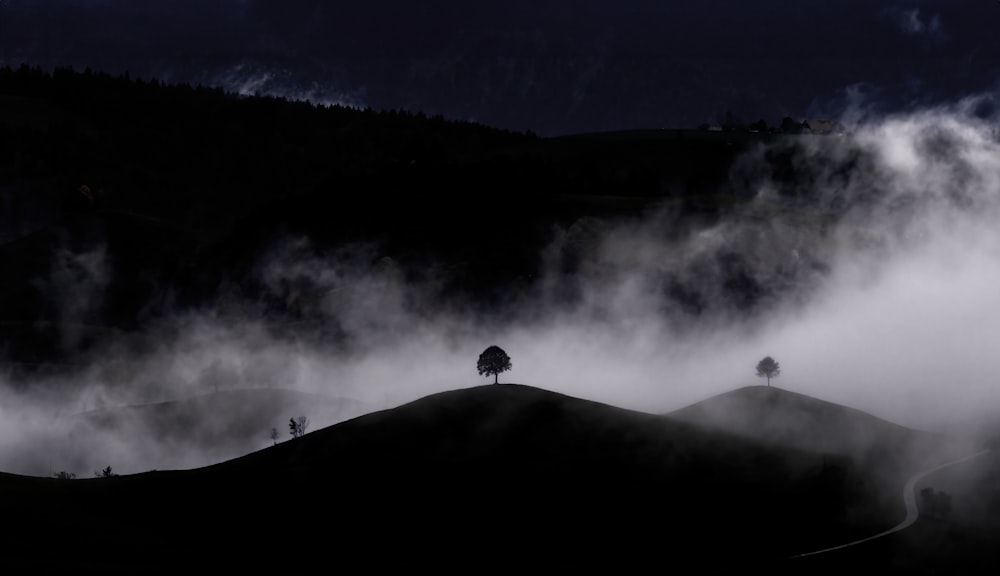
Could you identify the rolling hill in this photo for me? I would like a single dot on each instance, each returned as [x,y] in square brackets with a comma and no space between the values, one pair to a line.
[217,426]
[192,191]
[493,476]
[961,539]
[186,433]
[782,417]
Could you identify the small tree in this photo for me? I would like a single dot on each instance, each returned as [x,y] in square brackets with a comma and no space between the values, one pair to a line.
[297,426]
[274,436]
[493,361]
[63,475]
[768,368]
[106,473]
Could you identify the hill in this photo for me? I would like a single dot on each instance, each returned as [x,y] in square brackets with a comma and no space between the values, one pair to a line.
[193,432]
[128,202]
[959,538]
[787,418]
[501,475]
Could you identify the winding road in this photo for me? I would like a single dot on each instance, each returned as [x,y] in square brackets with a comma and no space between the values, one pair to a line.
[909,499]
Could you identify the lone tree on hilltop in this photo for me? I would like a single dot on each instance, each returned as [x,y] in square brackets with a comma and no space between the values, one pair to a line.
[493,361]
[768,368]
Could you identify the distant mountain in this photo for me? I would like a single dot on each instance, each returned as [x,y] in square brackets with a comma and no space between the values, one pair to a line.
[485,477]
[128,202]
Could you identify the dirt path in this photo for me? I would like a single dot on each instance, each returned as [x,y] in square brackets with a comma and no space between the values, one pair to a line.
[909,500]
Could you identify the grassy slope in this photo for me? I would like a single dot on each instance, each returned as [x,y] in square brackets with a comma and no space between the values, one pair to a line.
[965,541]
[205,429]
[783,417]
[186,433]
[493,475]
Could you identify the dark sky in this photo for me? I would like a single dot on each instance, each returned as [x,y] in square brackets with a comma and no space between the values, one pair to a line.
[552,66]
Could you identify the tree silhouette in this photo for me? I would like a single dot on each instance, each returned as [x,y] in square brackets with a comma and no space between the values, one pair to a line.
[105,473]
[768,368]
[759,126]
[274,435]
[493,361]
[297,426]
[790,126]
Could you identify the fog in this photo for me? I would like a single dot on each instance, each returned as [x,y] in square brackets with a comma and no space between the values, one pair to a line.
[873,270]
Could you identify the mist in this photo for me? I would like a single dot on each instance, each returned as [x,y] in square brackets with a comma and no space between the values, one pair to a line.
[865,263]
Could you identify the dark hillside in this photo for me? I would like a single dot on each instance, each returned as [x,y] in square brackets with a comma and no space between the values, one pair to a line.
[941,541]
[185,433]
[788,418]
[492,476]
[135,200]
